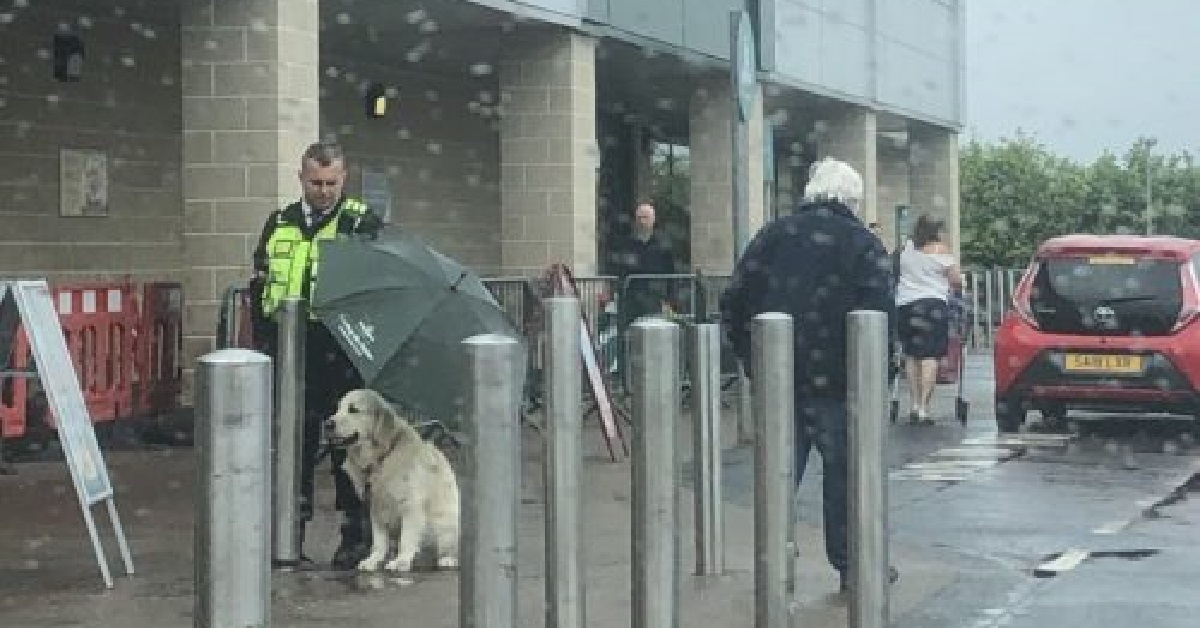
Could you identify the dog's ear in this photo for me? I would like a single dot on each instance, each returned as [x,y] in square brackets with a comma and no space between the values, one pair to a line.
[384,425]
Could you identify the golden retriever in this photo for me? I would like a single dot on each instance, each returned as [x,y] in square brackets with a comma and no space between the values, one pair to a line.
[407,482]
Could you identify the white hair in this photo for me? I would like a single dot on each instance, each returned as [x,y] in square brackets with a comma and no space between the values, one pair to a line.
[833,180]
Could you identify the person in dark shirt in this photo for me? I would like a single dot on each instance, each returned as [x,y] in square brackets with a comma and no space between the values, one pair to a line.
[643,252]
[817,265]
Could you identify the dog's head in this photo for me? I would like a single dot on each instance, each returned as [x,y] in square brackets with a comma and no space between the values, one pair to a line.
[362,415]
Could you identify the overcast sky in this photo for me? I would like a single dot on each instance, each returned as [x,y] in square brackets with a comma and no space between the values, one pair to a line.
[1084,76]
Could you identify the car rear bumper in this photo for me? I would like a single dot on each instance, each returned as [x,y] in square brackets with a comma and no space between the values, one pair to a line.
[1158,387]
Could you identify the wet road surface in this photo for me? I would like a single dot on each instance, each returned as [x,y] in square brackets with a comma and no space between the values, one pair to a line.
[1110,494]
[1091,528]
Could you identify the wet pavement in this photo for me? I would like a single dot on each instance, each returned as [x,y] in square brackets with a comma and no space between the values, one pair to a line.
[48,576]
[972,518]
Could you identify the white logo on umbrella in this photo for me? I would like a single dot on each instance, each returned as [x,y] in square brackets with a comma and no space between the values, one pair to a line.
[356,342]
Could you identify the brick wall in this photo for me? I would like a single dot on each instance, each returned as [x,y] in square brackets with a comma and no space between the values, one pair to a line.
[126,105]
[438,145]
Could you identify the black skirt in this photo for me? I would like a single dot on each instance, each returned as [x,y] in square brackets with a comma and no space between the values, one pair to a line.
[924,328]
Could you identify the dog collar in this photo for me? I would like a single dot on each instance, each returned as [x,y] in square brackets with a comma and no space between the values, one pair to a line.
[369,470]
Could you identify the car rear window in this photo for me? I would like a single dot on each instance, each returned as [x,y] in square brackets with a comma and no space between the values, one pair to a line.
[1107,295]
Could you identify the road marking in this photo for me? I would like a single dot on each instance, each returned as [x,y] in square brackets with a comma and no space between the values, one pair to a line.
[1022,440]
[928,476]
[1112,527]
[994,453]
[953,464]
[972,455]
[1069,560]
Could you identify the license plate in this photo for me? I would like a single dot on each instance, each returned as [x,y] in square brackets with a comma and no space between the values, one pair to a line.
[1092,363]
[1111,259]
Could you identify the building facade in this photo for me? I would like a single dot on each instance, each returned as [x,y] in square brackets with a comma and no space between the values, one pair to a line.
[150,138]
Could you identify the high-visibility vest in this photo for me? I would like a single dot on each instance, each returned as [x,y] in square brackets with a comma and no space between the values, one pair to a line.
[293,259]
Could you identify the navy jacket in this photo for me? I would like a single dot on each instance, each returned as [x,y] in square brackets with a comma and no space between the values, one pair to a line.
[817,265]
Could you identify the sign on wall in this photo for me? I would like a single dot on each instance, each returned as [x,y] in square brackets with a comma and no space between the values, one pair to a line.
[377,193]
[83,182]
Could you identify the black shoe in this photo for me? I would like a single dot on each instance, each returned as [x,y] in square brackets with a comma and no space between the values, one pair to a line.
[353,546]
[844,584]
[348,554]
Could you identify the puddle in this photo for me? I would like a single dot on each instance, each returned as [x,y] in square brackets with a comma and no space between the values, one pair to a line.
[352,581]
[1135,554]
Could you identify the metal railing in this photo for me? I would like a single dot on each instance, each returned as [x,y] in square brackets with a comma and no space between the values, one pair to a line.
[693,298]
[989,296]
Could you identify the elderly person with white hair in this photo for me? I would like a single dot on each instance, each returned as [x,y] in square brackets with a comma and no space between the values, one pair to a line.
[818,265]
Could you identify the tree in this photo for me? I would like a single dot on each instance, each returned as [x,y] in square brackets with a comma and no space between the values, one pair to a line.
[1016,194]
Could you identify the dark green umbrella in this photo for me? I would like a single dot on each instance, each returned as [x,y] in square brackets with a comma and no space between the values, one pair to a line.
[400,311]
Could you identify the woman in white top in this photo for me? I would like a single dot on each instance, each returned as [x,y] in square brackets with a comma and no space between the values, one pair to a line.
[928,272]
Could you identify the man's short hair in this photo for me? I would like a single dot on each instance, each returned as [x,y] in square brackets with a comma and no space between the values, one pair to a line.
[324,153]
[833,180]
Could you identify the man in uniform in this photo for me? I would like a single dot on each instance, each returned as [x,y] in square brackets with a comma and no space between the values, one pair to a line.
[286,263]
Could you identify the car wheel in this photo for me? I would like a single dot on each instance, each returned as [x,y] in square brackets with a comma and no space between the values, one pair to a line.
[1054,415]
[1010,414]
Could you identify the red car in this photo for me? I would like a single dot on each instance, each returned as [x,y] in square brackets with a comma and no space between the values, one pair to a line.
[1103,323]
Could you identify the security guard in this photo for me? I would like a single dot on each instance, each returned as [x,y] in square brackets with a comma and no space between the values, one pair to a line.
[286,263]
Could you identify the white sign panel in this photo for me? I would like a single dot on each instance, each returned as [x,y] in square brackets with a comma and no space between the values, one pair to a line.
[377,193]
[56,372]
[83,182]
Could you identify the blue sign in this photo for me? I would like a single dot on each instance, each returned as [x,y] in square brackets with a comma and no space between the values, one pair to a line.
[745,66]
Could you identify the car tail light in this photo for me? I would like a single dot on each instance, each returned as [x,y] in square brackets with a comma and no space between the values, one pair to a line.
[1190,310]
[1022,296]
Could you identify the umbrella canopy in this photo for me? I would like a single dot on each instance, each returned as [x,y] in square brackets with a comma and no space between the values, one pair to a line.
[400,310]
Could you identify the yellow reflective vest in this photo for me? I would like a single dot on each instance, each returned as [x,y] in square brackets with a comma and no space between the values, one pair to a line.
[293,253]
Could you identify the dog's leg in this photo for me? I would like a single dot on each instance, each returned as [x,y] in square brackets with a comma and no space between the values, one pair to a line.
[411,532]
[446,535]
[379,543]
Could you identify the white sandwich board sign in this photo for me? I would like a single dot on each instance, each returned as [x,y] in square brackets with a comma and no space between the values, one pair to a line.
[33,305]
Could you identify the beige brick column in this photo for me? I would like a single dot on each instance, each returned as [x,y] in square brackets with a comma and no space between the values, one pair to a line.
[548,152]
[711,143]
[250,105]
[933,181]
[848,133]
[893,178]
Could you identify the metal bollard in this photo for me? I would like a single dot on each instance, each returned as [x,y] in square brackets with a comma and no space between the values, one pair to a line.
[654,364]
[565,606]
[706,449]
[286,539]
[491,484]
[867,405]
[233,537]
[772,370]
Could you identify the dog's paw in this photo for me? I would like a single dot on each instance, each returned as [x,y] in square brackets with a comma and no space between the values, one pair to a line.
[369,564]
[399,565]
[447,562]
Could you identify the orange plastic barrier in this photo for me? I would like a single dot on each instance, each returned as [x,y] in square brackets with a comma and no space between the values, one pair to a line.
[160,368]
[124,343]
